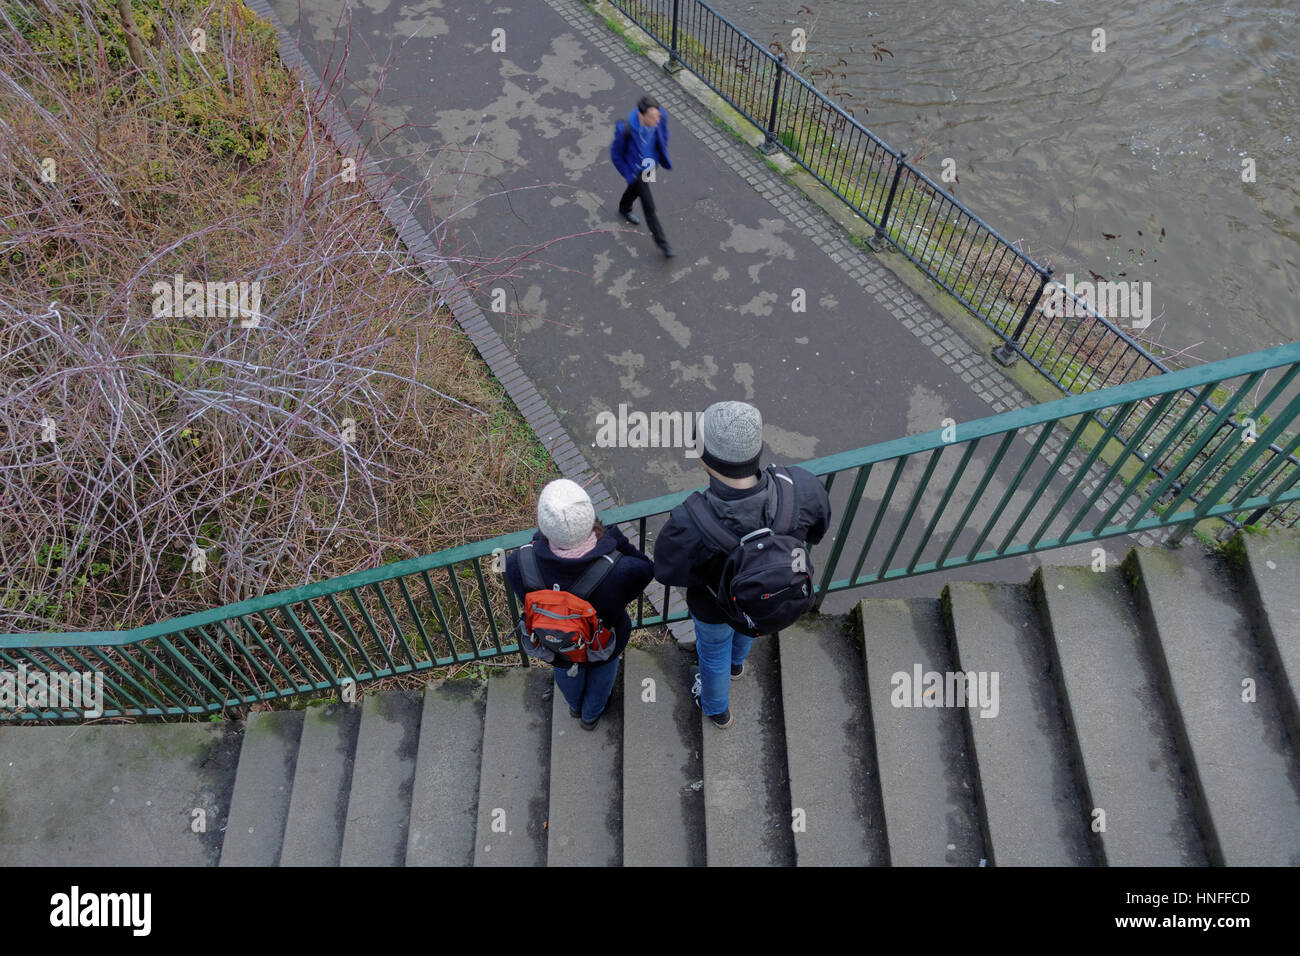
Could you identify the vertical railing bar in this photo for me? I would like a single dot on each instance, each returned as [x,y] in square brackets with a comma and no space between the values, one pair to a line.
[1012,487]
[1052,470]
[312,649]
[325,629]
[885,502]
[464,612]
[352,634]
[274,658]
[285,643]
[415,618]
[487,605]
[374,631]
[237,645]
[1115,421]
[442,618]
[842,533]
[943,504]
[398,634]
[911,509]
[1197,445]
[1154,458]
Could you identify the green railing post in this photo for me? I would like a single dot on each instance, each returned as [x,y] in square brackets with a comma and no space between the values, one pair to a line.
[1006,353]
[770,142]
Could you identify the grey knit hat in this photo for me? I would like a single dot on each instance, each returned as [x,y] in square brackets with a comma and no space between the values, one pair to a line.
[565,514]
[732,436]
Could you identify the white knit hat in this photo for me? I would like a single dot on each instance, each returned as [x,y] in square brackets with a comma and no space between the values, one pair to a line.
[564,513]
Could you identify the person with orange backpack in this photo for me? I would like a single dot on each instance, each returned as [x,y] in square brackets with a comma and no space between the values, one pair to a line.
[575,579]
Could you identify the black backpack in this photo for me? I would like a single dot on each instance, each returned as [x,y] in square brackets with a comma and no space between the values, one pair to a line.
[767,580]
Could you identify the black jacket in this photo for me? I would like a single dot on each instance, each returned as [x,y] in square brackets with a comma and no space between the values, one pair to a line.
[627,579]
[684,557]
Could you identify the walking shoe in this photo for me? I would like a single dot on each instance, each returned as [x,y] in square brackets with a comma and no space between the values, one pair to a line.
[668,251]
[631,217]
[737,670]
[592,725]
[574,712]
[723,720]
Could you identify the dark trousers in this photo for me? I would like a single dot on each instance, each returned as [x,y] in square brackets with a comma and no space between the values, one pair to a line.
[589,689]
[640,188]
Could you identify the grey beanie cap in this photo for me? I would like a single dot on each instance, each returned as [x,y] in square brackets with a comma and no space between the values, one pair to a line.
[565,514]
[732,434]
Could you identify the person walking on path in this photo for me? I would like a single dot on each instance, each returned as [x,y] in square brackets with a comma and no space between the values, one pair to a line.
[569,541]
[742,498]
[641,143]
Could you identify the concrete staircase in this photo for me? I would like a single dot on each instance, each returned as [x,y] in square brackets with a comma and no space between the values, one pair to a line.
[1145,714]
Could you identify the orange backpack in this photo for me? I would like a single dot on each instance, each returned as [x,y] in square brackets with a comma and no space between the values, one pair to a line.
[563,624]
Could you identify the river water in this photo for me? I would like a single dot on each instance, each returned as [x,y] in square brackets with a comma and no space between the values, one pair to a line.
[1060,146]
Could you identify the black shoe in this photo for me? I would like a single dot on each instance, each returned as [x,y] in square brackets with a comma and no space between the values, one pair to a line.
[737,670]
[631,217]
[592,725]
[667,251]
[574,713]
[723,720]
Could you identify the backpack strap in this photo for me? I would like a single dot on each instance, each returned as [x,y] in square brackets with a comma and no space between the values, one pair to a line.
[529,569]
[709,525]
[783,523]
[592,577]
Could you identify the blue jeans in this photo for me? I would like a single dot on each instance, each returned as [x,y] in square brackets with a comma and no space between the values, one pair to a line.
[719,649]
[589,690]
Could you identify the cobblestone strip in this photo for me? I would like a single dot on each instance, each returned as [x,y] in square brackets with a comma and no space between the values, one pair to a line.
[452,292]
[912,312]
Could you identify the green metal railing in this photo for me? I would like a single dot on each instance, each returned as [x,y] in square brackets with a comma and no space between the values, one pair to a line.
[1011,484]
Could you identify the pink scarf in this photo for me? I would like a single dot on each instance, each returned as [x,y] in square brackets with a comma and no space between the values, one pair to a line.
[579,550]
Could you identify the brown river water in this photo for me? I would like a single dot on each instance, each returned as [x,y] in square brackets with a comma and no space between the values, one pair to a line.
[1126,162]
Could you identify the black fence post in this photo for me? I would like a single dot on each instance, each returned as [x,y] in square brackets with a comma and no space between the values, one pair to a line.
[770,143]
[877,242]
[1005,353]
[674,61]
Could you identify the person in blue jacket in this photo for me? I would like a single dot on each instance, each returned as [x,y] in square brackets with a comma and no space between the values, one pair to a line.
[641,143]
[569,539]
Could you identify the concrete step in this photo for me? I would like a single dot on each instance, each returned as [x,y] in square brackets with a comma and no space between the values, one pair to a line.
[115,795]
[926,771]
[663,799]
[1120,730]
[322,782]
[263,785]
[1270,578]
[1236,747]
[834,793]
[1032,809]
[379,803]
[514,779]
[746,776]
[585,815]
[444,801]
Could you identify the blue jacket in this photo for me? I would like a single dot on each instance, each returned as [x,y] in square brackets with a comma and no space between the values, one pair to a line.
[625,151]
[627,579]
